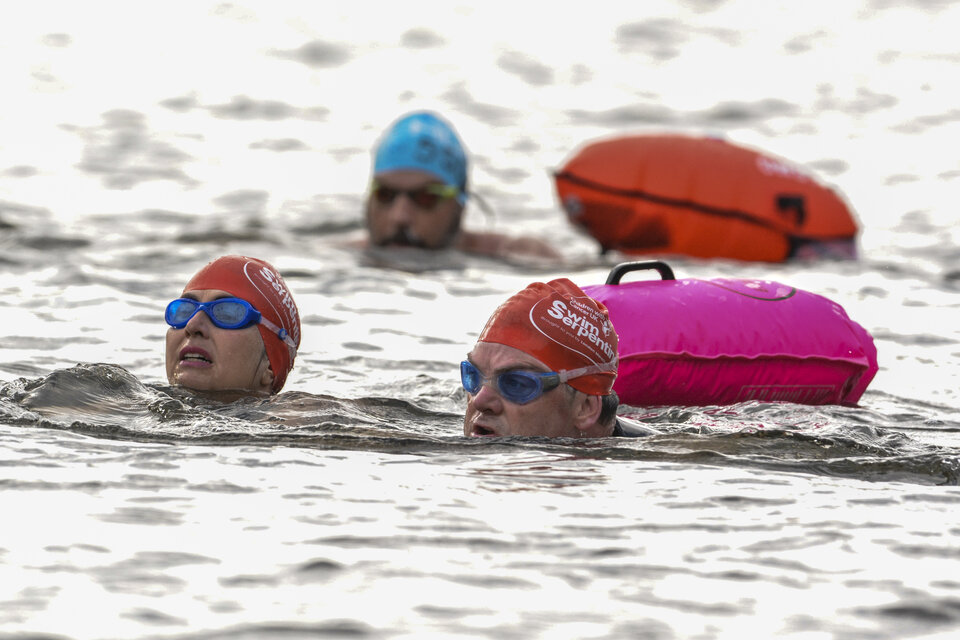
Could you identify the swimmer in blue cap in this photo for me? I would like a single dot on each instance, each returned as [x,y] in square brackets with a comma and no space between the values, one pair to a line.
[419,190]
[419,185]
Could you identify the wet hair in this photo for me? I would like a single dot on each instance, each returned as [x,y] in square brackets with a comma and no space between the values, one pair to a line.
[608,408]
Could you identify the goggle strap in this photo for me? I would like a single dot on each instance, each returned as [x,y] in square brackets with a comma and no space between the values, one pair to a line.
[570,374]
[443,190]
[281,333]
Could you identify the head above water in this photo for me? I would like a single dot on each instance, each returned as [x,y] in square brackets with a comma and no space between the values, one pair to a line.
[203,355]
[418,189]
[547,327]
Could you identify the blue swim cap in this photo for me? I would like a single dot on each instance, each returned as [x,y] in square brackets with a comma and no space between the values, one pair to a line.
[423,141]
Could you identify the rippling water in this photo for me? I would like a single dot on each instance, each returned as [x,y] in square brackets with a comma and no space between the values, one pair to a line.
[137,142]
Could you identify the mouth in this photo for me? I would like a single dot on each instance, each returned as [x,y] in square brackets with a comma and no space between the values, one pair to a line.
[195,357]
[403,237]
[480,431]
[480,424]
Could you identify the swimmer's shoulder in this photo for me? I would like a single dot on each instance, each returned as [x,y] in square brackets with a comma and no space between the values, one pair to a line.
[498,245]
[626,428]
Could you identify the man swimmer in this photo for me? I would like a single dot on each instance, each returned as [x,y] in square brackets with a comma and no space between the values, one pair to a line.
[544,365]
[419,191]
[234,328]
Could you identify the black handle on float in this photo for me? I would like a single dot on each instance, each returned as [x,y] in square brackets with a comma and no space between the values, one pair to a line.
[666,273]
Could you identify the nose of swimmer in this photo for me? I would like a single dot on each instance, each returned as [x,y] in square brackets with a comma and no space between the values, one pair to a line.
[486,399]
[199,323]
[401,210]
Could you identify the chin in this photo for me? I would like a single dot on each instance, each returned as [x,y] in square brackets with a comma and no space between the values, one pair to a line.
[200,383]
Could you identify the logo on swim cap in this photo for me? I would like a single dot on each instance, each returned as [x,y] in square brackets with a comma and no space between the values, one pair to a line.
[575,325]
[281,294]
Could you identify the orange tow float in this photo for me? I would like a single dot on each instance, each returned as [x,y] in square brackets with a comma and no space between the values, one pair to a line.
[701,197]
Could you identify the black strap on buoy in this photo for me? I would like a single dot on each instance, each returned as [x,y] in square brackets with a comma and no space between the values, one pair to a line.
[791,204]
[666,273]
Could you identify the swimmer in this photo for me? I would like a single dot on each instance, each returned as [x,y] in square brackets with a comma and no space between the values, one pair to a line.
[234,328]
[419,191]
[544,365]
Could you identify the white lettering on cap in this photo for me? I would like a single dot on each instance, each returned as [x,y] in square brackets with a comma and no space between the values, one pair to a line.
[575,325]
[289,309]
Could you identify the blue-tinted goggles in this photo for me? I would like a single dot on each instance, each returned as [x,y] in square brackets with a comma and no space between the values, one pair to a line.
[226,313]
[519,387]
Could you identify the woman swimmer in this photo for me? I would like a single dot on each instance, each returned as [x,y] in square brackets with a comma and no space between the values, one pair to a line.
[235,327]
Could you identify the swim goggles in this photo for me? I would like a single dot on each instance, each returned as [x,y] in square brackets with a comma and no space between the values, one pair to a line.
[521,387]
[226,313]
[426,197]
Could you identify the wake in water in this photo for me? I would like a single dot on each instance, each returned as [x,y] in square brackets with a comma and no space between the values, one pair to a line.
[106,401]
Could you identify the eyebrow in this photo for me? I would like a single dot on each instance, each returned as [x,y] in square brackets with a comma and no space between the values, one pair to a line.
[515,367]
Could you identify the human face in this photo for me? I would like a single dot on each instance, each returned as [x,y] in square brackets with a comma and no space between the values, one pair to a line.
[402,222]
[489,414]
[205,357]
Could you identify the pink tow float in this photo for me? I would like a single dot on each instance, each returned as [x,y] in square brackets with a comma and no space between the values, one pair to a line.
[724,341]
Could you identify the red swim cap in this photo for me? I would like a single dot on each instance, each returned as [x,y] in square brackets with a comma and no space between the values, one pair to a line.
[258,283]
[559,325]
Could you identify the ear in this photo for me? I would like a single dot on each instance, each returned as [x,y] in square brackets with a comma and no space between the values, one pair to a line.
[266,379]
[586,413]
[368,209]
[456,222]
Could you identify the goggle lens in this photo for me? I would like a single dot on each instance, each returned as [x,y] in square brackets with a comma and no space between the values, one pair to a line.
[179,312]
[517,384]
[229,313]
[470,377]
